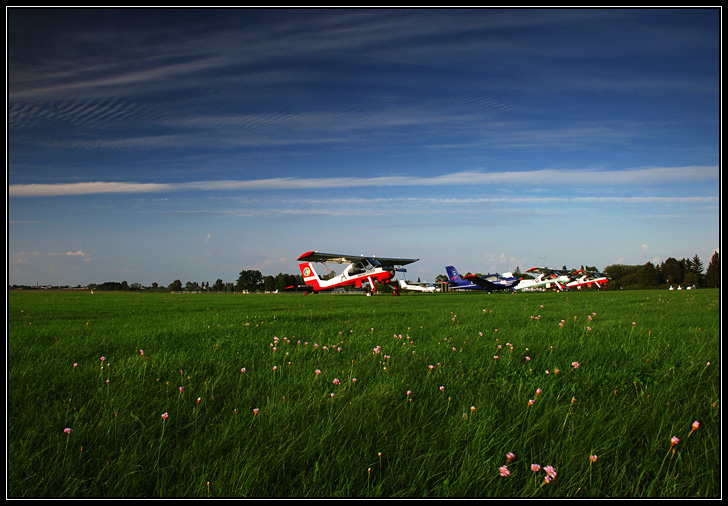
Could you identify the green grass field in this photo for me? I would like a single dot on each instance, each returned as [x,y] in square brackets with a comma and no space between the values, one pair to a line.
[447,395]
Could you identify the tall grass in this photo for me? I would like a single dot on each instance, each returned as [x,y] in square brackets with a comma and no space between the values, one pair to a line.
[350,396]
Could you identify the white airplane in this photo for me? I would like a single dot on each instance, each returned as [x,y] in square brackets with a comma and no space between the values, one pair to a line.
[418,287]
[547,278]
[588,278]
[360,270]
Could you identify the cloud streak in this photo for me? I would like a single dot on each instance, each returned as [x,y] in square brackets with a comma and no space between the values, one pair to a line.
[652,176]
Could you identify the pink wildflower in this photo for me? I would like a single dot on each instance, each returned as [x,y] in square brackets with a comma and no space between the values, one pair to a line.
[674,441]
[535,468]
[165,415]
[510,456]
[504,471]
[68,430]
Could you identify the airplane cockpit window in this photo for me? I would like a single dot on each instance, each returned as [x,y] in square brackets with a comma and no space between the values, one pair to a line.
[357,268]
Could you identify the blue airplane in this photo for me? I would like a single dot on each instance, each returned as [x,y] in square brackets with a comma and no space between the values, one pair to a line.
[489,282]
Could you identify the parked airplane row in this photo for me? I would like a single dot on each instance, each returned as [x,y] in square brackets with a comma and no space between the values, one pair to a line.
[545,279]
[362,270]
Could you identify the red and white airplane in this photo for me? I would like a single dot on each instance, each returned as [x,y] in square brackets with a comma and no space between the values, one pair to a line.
[360,270]
[588,278]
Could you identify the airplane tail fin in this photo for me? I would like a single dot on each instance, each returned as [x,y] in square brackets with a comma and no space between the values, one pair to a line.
[309,275]
[453,276]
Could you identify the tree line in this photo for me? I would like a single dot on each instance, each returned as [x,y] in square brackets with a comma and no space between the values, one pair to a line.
[687,272]
[248,281]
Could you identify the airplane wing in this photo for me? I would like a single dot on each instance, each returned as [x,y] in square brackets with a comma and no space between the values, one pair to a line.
[484,283]
[318,256]
[542,270]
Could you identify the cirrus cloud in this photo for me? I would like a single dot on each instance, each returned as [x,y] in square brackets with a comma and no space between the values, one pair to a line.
[650,175]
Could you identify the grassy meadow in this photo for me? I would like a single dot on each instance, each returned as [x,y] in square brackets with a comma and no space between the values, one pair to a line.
[579,394]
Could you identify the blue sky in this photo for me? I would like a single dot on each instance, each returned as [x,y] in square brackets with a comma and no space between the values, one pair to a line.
[154,145]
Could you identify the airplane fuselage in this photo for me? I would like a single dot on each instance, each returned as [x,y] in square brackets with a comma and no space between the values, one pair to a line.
[543,281]
[588,281]
[360,270]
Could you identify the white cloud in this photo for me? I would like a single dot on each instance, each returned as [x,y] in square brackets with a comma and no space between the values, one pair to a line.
[89,188]
[537,178]
[79,254]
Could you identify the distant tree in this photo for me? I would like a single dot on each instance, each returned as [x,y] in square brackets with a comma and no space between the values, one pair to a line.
[672,271]
[712,274]
[441,278]
[697,265]
[175,286]
[649,275]
[622,275]
[269,284]
[249,281]
[691,279]
[219,286]
[283,281]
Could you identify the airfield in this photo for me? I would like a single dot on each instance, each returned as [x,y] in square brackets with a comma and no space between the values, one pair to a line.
[534,394]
